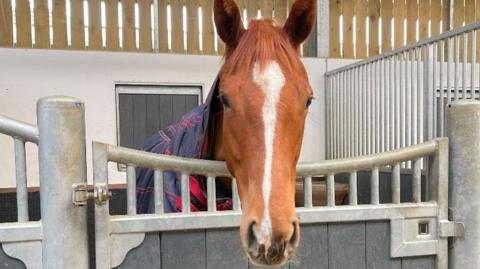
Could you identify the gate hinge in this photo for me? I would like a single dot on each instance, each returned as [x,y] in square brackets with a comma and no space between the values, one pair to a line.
[451,229]
[81,194]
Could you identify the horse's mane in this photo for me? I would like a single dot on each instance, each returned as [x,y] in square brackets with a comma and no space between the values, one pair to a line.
[261,43]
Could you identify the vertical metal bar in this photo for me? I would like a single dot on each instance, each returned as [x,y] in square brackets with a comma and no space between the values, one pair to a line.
[235,197]
[403,84]
[342,115]
[357,112]
[417,180]
[473,63]
[131,190]
[352,193]
[158,191]
[185,192]
[392,103]
[307,192]
[386,81]
[348,121]
[334,115]
[21,180]
[409,83]
[211,194]
[441,115]
[368,97]
[433,97]
[382,105]
[427,94]
[363,142]
[415,90]
[378,92]
[449,64]
[464,66]
[397,104]
[396,183]
[457,59]
[328,128]
[62,162]
[331,190]
[420,91]
[374,190]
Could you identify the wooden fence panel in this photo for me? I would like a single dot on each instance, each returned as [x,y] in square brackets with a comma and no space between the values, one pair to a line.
[162,26]
[208,39]
[24,26]
[111,12]
[192,28]
[423,18]
[59,24]
[361,35]
[145,35]
[435,16]
[374,15]
[252,9]
[280,7]
[399,14]
[94,25]
[128,13]
[458,20]
[6,24]
[77,25]
[387,14]
[412,16]
[335,11]
[42,30]
[266,8]
[348,13]
[177,26]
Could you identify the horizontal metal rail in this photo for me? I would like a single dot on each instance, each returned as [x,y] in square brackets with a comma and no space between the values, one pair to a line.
[18,129]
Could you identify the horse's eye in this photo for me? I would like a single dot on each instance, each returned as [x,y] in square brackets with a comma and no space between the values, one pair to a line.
[224,100]
[309,101]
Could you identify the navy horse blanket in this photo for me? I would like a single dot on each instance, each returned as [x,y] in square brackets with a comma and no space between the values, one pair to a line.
[191,137]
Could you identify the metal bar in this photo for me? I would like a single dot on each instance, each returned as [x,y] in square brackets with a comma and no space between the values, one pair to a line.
[427,95]
[473,49]
[397,105]
[409,84]
[20,129]
[21,180]
[420,91]
[331,190]
[415,89]
[386,81]
[363,110]
[392,104]
[328,128]
[158,191]
[370,127]
[423,42]
[402,99]
[382,106]
[449,64]
[442,95]
[307,192]
[374,187]
[185,192]
[341,115]
[457,59]
[211,194]
[433,97]
[352,193]
[235,196]
[464,66]
[396,183]
[131,190]
[335,118]
[378,95]
[357,112]
[417,180]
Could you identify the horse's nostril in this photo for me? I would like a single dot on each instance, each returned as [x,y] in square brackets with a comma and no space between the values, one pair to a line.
[251,239]
[294,237]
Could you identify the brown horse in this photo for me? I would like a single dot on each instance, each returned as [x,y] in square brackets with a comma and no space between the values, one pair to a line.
[265,93]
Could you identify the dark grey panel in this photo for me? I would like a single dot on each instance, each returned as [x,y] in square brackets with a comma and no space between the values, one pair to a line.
[184,249]
[139,120]
[166,109]
[7,262]
[153,114]
[378,246]
[346,246]
[224,249]
[179,106]
[191,101]
[312,252]
[145,256]
[125,107]
[250,265]
[426,262]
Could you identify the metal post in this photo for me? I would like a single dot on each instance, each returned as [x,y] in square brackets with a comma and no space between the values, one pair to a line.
[463,129]
[61,146]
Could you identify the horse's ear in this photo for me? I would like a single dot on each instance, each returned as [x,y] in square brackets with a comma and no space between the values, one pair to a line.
[228,21]
[300,21]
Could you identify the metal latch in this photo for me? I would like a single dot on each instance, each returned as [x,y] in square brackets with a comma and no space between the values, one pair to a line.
[451,229]
[81,194]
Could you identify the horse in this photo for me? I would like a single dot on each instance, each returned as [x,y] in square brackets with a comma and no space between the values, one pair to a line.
[265,94]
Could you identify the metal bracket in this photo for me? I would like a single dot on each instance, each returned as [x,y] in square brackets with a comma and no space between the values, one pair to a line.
[81,194]
[451,229]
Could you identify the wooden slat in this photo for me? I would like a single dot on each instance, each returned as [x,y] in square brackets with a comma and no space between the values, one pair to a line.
[128,13]
[335,11]
[280,11]
[361,14]
[387,14]
[436,16]
[423,18]
[42,31]
[469,18]
[252,9]
[111,12]
[192,29]
[6,24]
[177,26]
[266,7]
[77,25]
[374,15]
[399,14]
[94,25]
[59,24]
[162,26]
[412,15]
[24,26]
[445,15]
[348,6]
[458,14]
[144,7]
[207,7]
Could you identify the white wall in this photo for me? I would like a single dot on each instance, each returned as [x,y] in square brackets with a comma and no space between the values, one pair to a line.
[27,75]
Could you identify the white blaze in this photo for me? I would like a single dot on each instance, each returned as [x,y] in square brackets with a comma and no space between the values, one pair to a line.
[271,81]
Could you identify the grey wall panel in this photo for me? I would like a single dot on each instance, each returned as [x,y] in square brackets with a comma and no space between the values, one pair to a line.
[139,120]
[377,236]
[191,101]
[346,246]
[313,250]
[153,114]
[7,262]
[166,108]
[427,262]
[184,249]
[179,106]
[125,107]
[224,249]
[145,256]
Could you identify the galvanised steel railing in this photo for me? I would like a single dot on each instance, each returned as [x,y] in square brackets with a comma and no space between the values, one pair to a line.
[128,231]
[398,99]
